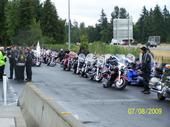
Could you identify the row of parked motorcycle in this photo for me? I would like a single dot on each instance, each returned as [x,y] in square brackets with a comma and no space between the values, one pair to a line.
[47,57]
[107,69]
[118,71]
[112,70]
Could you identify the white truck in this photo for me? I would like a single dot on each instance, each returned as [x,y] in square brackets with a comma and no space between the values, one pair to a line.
[153,41]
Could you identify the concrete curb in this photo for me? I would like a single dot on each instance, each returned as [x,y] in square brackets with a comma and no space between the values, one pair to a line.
[42,111]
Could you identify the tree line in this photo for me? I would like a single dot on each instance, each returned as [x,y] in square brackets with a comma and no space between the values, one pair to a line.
[153,22]
[25,22]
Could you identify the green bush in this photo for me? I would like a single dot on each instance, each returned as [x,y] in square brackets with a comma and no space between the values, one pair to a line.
[102,48]
[97,48]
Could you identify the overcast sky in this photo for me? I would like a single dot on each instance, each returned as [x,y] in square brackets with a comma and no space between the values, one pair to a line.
[89,11]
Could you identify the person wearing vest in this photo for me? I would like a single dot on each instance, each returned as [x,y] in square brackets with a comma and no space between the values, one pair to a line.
[146,68]
[2,62]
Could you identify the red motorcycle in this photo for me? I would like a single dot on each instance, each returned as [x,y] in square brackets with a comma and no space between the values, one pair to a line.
[68,60]
[113,76]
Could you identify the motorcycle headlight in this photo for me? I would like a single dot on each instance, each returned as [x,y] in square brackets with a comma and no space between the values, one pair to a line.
[159,87]
[163,84]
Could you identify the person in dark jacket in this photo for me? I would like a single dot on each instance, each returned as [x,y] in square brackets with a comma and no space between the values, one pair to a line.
[28,64]
[12,55]
[146,68]
[61,55]
[20,65]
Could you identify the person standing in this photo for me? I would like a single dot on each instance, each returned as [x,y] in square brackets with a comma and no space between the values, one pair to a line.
[2,62]
[146,68]
[11,55]
[28,64]
[61,55]
[20,65]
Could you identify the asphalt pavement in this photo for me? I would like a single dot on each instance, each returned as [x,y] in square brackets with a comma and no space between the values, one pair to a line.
[98,107]
[95,106]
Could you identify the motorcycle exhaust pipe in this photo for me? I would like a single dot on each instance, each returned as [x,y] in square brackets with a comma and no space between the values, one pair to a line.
[97,72]
[77,67]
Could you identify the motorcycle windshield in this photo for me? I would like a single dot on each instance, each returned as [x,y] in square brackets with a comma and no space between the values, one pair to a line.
[100,61]
[81,57]
[72,55]
[121,61]
[90,58]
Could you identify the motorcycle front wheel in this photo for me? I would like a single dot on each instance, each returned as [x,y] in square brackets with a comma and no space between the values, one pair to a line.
[121,83]
[98,78]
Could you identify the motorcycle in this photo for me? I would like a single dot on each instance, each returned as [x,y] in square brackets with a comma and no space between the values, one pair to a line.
[94,72]
[68,61]
[51,60]
[160,84]
[88,64]
[37,59]
[113,75]
[78,64]
[134,75]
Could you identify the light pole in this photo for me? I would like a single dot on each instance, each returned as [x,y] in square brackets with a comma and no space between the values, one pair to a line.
[69,23]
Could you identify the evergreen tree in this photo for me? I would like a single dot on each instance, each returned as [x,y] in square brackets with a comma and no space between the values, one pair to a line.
[166,16]
[91,31]
[12,17]
[123,13]
[50,24]
[104,27]
[75,32]
[2,21]
[158,22]
[26,14]
[141,27]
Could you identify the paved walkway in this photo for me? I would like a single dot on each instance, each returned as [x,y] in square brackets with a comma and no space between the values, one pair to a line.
[10,116]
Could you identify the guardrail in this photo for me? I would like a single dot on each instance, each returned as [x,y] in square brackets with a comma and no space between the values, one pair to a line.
[42,111]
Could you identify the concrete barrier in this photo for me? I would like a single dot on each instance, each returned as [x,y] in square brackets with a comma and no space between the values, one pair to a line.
[42,111]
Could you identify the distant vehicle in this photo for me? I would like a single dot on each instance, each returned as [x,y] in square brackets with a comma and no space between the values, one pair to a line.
[153,41]
[117,42]
[114,42]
